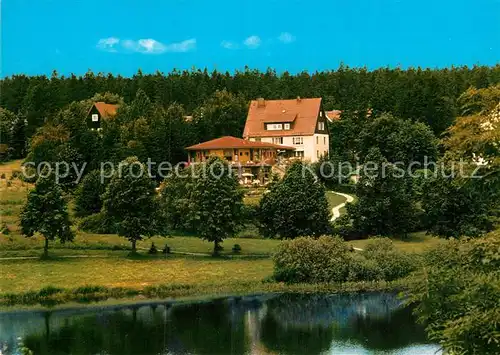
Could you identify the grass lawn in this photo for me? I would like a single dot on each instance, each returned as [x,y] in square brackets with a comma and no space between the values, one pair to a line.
[334,199]
[416,243]
[84,243]
[20,276]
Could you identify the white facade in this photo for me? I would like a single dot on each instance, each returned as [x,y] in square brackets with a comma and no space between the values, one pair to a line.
[310,148]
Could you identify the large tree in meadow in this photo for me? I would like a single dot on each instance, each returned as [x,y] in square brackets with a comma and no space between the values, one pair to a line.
[130,201]
[295,206]
[46,212]
[216,200]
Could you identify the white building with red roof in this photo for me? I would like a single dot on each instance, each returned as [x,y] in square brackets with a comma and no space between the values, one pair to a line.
[298,123]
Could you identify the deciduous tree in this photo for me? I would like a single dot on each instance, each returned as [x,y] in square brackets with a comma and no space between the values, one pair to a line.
[385,204]
[295,206]
[45,212]
[216,200]
[130,201]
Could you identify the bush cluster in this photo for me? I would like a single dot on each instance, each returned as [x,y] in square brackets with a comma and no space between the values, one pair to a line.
[457,295]
[330,259]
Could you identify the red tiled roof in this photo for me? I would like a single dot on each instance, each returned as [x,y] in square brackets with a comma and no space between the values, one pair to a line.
[333,115]
[106,110]
[228,142]
[304,111]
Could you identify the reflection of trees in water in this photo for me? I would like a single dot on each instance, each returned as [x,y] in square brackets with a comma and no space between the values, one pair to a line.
[294,340]
[204,328]
[208,328]
[394,331]
[320,310]
[310,323]
[284,324]
[121,332]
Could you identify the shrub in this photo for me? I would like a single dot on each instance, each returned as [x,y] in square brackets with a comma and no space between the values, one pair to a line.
[457,295]
[152,249]
[305,259]
[330,259]
[97,223]
[16,174]
[4,229]
[236,249]
[343,227]
[363,269]
[2,176]
[392,263]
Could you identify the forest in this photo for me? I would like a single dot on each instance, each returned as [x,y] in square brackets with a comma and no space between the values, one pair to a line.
[425,95]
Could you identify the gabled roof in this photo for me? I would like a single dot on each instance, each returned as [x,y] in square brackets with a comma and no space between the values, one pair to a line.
[106,110]
[302,112]
[229,142]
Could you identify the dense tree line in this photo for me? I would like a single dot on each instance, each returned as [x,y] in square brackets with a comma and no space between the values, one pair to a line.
[426,95]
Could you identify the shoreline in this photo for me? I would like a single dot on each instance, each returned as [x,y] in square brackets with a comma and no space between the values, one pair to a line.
[99,296]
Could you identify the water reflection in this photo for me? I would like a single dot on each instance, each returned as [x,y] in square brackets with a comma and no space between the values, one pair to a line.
[271,324]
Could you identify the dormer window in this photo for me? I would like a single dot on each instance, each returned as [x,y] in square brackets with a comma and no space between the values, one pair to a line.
[287,126]
[95,117]
[274,126]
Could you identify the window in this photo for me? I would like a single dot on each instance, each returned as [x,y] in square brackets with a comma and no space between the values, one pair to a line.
[287,125]
[257,139]
[246,153]
[324,140]
[317,140]
[321,126]
[317,153]
[274,126]
[95,117]
[299,153]
[298,140]
[277,140]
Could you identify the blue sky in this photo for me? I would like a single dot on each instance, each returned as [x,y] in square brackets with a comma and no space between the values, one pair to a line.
[121,36]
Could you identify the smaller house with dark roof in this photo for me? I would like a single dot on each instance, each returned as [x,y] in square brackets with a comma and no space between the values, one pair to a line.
[99,111]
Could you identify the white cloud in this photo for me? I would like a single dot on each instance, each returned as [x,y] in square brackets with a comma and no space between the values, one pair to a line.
[252,42]
[108,44]
[229,45]
[184,46]
[286,37]
[145,45]
[150,45]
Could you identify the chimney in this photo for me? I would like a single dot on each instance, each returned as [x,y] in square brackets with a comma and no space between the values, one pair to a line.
[299,99]
[261,102]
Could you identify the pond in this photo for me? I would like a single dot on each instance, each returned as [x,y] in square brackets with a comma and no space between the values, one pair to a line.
[373,323]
